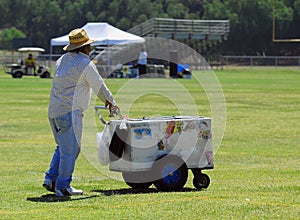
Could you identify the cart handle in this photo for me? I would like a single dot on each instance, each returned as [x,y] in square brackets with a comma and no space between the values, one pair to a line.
[98,108]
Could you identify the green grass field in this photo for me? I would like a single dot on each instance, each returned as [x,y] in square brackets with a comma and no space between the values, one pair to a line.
[257,167]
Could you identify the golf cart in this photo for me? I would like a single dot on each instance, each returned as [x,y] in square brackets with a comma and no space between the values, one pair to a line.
[17,70]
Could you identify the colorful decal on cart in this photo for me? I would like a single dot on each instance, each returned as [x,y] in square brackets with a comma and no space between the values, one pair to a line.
[170,128]
[209,156]
[142,133]
[173,127]
[203,125]
[178,127]
[161,145]
[189,126]
[204,132]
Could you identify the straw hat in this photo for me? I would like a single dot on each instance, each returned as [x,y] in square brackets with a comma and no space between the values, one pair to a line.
[78,38]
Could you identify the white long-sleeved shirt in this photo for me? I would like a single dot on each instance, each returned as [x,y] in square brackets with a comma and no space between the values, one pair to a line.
[74,79]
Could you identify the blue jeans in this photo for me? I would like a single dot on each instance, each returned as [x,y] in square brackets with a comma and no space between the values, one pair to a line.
[67,131]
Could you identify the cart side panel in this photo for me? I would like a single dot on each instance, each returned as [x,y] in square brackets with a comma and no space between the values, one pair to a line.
[202,155]
[142,147]
[144,141]
[186,137]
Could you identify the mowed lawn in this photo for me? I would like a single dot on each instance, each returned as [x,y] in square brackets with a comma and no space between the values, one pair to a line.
[257,166]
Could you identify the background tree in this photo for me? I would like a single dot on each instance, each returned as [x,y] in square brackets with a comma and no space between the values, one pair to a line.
[7,35]
[296,19]
[42,24]
[253,25]
[250,21]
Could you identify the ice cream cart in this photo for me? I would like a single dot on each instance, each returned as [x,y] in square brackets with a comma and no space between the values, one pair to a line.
[158,150]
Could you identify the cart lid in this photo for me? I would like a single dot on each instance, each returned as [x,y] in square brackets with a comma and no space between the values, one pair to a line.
[31,49]
[161,119]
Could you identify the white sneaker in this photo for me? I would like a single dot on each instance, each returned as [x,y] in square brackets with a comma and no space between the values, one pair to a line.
[49,185]
[68,192]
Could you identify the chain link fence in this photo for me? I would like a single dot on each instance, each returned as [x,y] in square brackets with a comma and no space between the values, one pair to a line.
[258,61]
[222,62]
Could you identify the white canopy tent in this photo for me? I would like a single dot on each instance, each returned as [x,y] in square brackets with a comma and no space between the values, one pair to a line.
[103,33]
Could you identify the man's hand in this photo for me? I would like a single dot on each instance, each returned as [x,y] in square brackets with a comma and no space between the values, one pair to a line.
[113,110]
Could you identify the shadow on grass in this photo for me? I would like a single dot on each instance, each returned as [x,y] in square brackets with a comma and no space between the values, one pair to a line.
[115,192]
[53,198]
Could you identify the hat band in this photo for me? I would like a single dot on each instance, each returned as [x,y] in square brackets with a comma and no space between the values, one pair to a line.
[79,42]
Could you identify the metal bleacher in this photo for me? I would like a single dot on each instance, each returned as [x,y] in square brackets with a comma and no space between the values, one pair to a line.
[199,34]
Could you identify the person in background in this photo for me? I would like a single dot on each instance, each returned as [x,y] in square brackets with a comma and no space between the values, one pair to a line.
[142,62]
[75,77]
[30,63]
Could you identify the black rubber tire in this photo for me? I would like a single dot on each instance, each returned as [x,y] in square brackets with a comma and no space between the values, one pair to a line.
[201,181]
[170,173]
[136,180]
[17,75]
[47,75]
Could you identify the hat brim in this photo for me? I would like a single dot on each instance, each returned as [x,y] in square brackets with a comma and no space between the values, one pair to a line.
[71,47]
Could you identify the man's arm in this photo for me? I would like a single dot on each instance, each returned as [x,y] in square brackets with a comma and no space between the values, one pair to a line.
[98,85]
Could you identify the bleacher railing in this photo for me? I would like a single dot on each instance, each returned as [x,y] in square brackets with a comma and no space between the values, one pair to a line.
[156,26]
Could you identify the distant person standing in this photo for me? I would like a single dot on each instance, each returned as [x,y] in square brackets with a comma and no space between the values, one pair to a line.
[142,62]
[30,63]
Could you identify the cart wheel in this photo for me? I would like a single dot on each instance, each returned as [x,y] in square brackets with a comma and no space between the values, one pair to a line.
[201,181]
[170,173]
[136,180]
[17,75]
[47,75]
